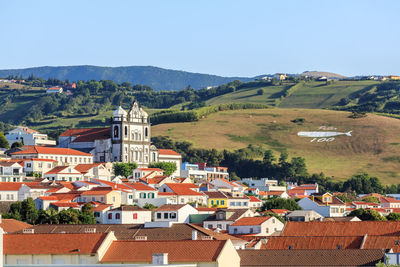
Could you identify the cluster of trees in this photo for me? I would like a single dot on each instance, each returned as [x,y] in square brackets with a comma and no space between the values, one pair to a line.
[245,163]
[126,169]
[26,211]
[373,215]
[3,141]
[380,98]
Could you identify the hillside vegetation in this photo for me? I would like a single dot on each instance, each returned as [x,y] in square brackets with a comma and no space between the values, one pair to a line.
[158,78]
[373,147]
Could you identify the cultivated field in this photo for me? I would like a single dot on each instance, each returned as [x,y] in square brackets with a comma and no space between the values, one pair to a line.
[374,146]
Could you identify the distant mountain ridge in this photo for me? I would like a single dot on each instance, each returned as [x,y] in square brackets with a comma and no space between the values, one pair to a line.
[158,78]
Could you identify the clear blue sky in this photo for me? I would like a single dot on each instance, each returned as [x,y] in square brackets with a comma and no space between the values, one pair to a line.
[231,38]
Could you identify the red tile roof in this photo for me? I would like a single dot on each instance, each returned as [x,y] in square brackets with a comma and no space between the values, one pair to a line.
[141,187]
[97,191]
[254,199]
[50,150]
[279,211]
[150,169]
[347,228]
[168,152]
[28,244]
[10,186]
[184,189]
[83,168]
[58,169]
[178,251]
[48,198]
[12,225]
[313,242]
[88,134]
[389,200]
[250,221]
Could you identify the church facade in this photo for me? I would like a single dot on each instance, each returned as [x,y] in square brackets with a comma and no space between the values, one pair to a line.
[127,139]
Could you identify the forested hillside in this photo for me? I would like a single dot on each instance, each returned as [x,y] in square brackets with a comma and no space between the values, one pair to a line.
[157,78]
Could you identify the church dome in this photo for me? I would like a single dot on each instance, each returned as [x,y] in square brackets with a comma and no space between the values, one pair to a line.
[119,112]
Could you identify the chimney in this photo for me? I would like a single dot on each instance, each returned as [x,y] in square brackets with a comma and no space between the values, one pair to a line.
[194,235]
[160,259]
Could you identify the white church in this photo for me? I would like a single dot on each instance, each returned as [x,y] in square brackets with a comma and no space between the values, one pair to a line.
[128,139]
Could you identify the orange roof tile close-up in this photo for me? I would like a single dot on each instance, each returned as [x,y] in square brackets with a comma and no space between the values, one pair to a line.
[178,251]
[248,221]
[28,244]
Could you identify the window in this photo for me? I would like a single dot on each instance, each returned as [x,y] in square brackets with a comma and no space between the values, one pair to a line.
[146,132]
[117,216]
[222,202]
[219,226]
[134,216]
[251,230]
[172,215]
[273,220]
[126,131]
[212,202]
[130,196]
[113,199]
[158,215]
[116,133]
[110,216]
[28,165]
[235,230]
[210,226]
[166,215]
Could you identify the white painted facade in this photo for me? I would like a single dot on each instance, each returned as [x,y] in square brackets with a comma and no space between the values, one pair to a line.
[266,228]
[324,210]
[122,216]
[28,137]
[180,215]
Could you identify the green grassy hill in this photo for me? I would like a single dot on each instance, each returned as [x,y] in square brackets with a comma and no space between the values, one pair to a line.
[310,94]
[373,147]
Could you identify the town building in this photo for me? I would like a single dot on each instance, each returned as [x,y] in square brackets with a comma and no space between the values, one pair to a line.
[128,215]
[63,156]
[262,226]
[28,137]
[326,205]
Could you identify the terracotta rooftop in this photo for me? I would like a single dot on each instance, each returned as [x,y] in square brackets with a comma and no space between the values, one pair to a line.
[313,242]
[12,225]
[83,168]
[248,221]
[88,134]
[349,257]
[140,187]
[178,231]
[168,152]
[50,150]
[28,244]
[214,194]
[184,189]
[178,251]
[10,186]
[316,228]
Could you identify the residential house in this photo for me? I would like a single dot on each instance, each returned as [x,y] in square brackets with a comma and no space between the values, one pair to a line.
[9,191]
[54,90]
[55,249]
[63,156]
[254,202]
[174,253]
[64,173]
[38,166]
[174,213]
[94,170]
[261,226]
[225,217]
[28,137]
[389,202]
[183,193]
[128,215]
[193,172]
[216,173]
[216,199]
[303,216]
[326,205]
[168,155]
[11,172]
[146,173]
[106,195]
[223,183]
[280,76]
[263,184]
[270,194]
[238,200]
[100,211]
[280,212]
